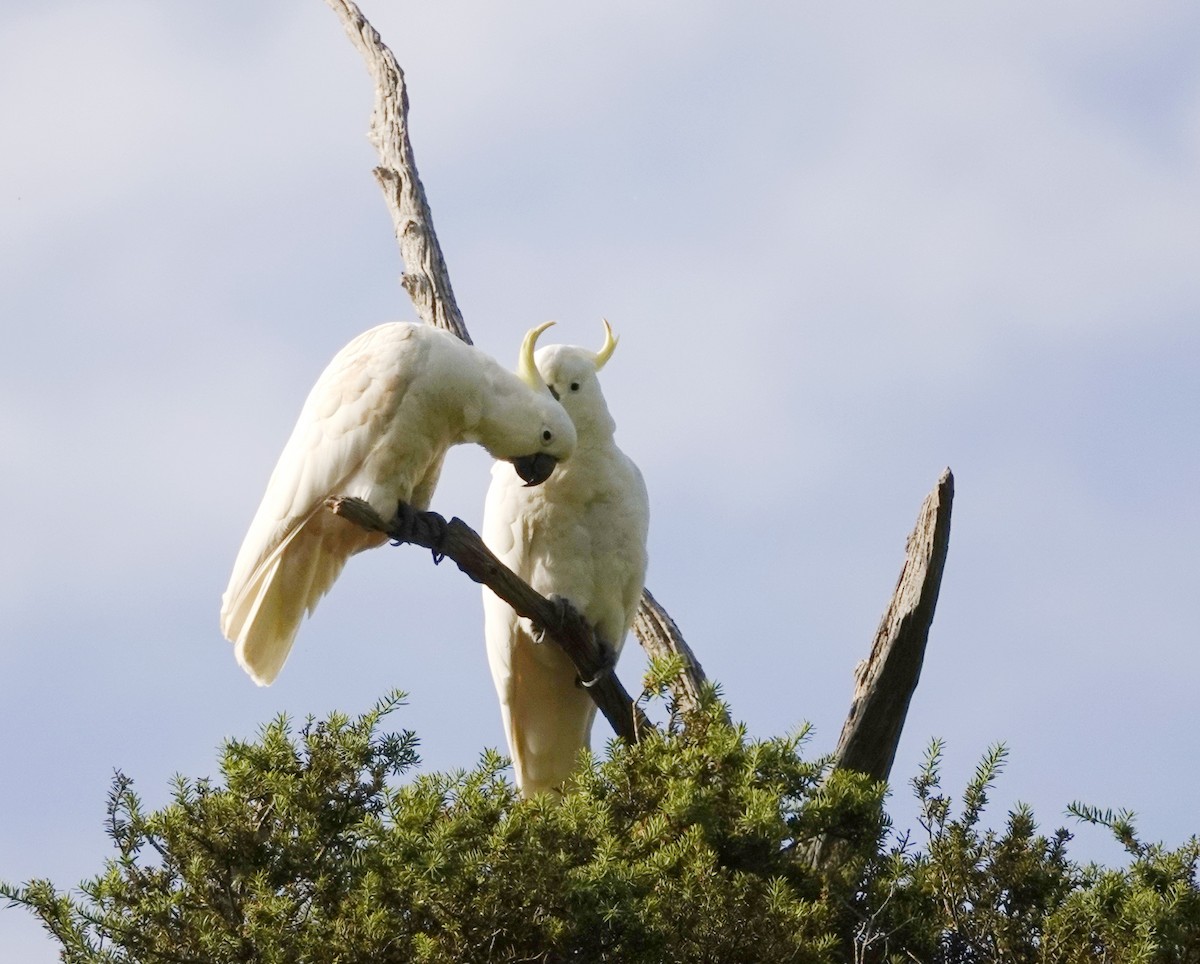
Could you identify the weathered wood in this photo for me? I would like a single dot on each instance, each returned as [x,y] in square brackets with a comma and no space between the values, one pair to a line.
[660,637]
[425,278]
[885,681]
[560,621]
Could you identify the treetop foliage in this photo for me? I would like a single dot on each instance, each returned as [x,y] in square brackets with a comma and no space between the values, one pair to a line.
[696,844]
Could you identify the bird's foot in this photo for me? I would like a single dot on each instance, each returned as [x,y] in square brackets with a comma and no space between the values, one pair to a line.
[428,529]
[439,529]
[608,663]
[403,524]
[561,607]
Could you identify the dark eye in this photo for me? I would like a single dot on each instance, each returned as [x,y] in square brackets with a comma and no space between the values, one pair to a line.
[574,386]
[547,436]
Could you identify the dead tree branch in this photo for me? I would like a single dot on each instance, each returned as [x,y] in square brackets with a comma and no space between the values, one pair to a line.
[885,681]
[660,637]
[425,276]
[427,280]
[559,620]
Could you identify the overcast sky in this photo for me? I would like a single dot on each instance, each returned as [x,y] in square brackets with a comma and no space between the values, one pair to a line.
[844,246]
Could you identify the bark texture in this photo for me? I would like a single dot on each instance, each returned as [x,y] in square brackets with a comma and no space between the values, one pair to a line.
[885,681]
[660,637]
[425,276]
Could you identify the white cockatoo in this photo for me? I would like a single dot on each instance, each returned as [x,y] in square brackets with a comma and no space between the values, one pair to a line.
[377,425]
[581,536]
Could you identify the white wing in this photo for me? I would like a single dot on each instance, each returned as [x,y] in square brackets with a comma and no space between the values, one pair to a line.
[348,440]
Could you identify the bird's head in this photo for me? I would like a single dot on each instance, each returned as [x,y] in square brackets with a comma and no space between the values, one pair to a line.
[570,373]
[527,426]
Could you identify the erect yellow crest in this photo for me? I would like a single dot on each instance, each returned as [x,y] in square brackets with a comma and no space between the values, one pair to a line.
[605,353]
[526,368]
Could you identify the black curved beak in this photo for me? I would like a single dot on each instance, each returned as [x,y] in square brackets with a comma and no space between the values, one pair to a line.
[534,469]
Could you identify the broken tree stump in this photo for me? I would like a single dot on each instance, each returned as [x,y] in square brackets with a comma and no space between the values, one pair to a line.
[885,680]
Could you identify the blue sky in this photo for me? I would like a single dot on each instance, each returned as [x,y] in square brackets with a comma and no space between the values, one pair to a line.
[844,246]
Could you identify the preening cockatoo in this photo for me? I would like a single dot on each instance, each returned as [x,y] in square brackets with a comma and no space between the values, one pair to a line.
[376,426]
[581,536]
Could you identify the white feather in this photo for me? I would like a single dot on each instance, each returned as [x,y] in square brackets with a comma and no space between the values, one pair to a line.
[581,535]
[376,425]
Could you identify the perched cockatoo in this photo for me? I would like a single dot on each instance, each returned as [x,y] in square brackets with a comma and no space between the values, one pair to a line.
[376,426]
[581,536]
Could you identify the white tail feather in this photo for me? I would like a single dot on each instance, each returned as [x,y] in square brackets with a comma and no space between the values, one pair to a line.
[263,615]
[547,716]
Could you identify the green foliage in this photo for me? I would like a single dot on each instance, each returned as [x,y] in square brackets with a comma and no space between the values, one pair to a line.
[1149,913]
[697,844]
[685,847]
[968,894]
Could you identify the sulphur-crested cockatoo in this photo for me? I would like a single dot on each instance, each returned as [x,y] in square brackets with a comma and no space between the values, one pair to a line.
[581,536]
[377,425]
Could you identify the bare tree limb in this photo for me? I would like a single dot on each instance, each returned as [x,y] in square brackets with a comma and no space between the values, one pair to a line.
[885,681]
[425,276]
[558,619]
[427,280]
[660,637]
